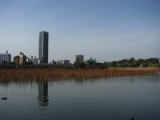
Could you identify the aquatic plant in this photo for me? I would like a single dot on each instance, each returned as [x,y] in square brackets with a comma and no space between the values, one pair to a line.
[66,74]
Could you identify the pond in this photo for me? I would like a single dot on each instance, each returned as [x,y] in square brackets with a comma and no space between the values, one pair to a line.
[116,98]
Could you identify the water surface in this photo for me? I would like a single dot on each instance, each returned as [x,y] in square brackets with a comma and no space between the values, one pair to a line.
[116,98]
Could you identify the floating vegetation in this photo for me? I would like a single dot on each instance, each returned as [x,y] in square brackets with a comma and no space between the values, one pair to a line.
[66,74]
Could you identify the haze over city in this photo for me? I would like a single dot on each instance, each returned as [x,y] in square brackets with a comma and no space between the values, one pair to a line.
[106,30]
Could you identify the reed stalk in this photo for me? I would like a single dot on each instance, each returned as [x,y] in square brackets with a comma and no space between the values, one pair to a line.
[66,74]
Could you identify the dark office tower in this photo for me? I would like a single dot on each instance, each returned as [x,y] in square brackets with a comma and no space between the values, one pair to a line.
[43,46]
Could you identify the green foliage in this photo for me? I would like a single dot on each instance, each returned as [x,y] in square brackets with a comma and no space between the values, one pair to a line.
[139,62]
[131,60]
[79,65]
[133,65]
[125,64]
[27,63]
[104,65]
[151,62]
[145,65]
[158,65]
[114,64]
[82,65]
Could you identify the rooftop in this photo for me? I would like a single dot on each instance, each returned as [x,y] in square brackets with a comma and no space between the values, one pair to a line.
[91,60]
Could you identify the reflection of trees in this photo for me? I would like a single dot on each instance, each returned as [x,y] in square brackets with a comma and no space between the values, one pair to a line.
[43,93]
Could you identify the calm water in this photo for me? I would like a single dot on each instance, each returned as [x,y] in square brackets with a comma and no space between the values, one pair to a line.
[116,98]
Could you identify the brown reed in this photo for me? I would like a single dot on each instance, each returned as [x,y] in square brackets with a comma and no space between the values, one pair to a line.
[67,74]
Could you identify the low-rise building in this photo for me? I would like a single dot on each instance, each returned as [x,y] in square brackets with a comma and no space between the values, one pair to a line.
[66,62]
[53,62]
[29,59]
[91,61]
[59,62]
[35,60]
[20,59]
[40,61]
[16,59]
[79,58]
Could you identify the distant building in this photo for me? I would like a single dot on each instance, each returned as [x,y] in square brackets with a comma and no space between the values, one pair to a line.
[16,59]
[91,61]
[35,60]
[66,62]
[53,62]
[43,46]
[5,57]
[79,58]
[20,59]
[29,59]
[59,62]
[92,64]
[40,61]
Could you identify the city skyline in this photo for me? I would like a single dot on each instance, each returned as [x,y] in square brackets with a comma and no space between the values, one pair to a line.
[105,30]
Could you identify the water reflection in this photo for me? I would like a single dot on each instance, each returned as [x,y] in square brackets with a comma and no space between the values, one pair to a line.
[43,93]
[109,98]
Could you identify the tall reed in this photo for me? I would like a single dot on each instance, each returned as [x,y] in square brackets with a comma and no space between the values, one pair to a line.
[65,74]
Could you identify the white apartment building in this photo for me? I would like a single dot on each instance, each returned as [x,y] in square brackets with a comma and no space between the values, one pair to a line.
[5,57]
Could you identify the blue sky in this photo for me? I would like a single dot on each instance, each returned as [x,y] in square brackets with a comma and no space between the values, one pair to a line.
[106,30]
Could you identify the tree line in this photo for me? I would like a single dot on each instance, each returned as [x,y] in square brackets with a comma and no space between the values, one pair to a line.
[150,62]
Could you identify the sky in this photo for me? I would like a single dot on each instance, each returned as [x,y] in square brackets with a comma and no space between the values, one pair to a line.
[107,30]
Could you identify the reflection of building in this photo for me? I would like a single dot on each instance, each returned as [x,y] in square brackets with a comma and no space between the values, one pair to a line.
[79,58]
[5,57]
[43,93]
[43,46]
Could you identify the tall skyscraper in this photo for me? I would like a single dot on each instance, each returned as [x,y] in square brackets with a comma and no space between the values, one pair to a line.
[43,46]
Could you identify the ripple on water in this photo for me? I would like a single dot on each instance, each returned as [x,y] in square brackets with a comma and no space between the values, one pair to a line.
[114,99]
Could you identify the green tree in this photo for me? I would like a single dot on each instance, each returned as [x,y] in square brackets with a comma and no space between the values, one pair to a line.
[158,65]
[125,64]
[82,65]
[105,66]
[27,63]
[133,65]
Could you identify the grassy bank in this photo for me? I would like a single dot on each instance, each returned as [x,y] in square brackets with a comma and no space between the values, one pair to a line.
[65,74]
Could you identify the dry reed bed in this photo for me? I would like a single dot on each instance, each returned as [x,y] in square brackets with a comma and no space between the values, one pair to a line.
[66,74]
